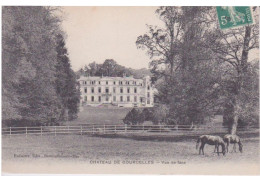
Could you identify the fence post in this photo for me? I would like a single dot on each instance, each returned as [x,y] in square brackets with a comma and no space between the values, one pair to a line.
[81,130]
[93,129]
[55,130]
[143,128]
[68,129]
[41,130]
[26,131]
[104,129]
[160,128]
[125,128]
[115,129]
[10,131]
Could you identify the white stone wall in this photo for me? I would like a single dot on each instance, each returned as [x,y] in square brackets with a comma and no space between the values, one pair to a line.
[117,83]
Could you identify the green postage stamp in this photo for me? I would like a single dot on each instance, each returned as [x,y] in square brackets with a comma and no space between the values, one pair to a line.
[231,16]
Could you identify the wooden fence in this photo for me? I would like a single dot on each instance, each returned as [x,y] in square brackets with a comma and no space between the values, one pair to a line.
[117,129]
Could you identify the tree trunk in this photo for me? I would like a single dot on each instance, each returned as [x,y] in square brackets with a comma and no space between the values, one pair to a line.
[243,69]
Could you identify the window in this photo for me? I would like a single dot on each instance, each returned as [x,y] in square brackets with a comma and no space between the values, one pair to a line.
[99,98]
[106,82]
[114,98]
[148,87]
[120,82]
[107,90]
[135,99]
[148,101]
[98,82]
[114,83]
[128,90]
[86,98]
[107,98]
[141,100]
[114,90]
[135,90]
[148,94]
[85,82]
[128,98]
[99,90]
[92,89]
[121,89]
[86,90]
[121,98]
[92,98]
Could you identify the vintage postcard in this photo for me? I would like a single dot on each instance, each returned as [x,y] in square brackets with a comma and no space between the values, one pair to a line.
[130,90]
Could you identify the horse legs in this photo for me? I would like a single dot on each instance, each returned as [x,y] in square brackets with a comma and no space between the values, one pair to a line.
[202,148]
[234,147]
[227,146]
[217,147]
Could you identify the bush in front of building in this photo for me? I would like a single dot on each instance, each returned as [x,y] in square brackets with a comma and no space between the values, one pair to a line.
[134,117]
[156,115]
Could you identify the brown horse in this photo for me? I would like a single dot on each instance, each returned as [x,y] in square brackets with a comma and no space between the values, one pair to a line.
[211,140]
[233,139]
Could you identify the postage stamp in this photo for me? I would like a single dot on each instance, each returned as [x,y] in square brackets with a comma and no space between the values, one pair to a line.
[231,16]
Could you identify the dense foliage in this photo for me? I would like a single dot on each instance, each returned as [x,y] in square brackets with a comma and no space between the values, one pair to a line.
[111,68]
[200,69]
[36,69]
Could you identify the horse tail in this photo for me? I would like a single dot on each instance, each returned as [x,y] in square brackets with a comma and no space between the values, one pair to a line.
[197,144]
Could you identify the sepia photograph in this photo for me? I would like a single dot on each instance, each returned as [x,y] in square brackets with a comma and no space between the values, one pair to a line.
[130,90]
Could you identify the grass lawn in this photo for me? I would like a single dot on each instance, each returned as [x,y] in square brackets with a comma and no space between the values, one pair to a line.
[131,147]
[63,150]
[101,115]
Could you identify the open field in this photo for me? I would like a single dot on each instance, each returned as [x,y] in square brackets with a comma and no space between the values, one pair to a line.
[101,115]
[130,147]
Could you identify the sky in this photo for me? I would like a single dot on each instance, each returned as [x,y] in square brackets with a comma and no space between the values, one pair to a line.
[99,33]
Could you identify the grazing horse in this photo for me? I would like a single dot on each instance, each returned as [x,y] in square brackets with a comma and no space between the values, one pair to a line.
[233,139]
[211,140]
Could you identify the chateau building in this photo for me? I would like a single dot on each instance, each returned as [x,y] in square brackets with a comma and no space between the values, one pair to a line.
[118,91]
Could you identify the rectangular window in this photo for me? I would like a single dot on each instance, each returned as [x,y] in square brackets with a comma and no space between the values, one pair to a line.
[135,99]
[128,90]
[99,98]
[148,94]
[148,101]
[141,100]
[106,82]
[98,82]
[92,89]
[121,89]
[107,90]
[148,87]
[135,90]
[86,90]
[114,98]
[86,98]
[121,98]
[128,98]
[114,83]
[92,98]
[99,90]
[114,90]
[106,98]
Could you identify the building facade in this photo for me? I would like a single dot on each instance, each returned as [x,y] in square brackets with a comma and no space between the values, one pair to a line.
[118,91]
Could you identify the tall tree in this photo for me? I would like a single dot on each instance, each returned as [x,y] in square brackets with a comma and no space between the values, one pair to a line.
[29,66]
[188,83]
[232,46]
[66,82]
